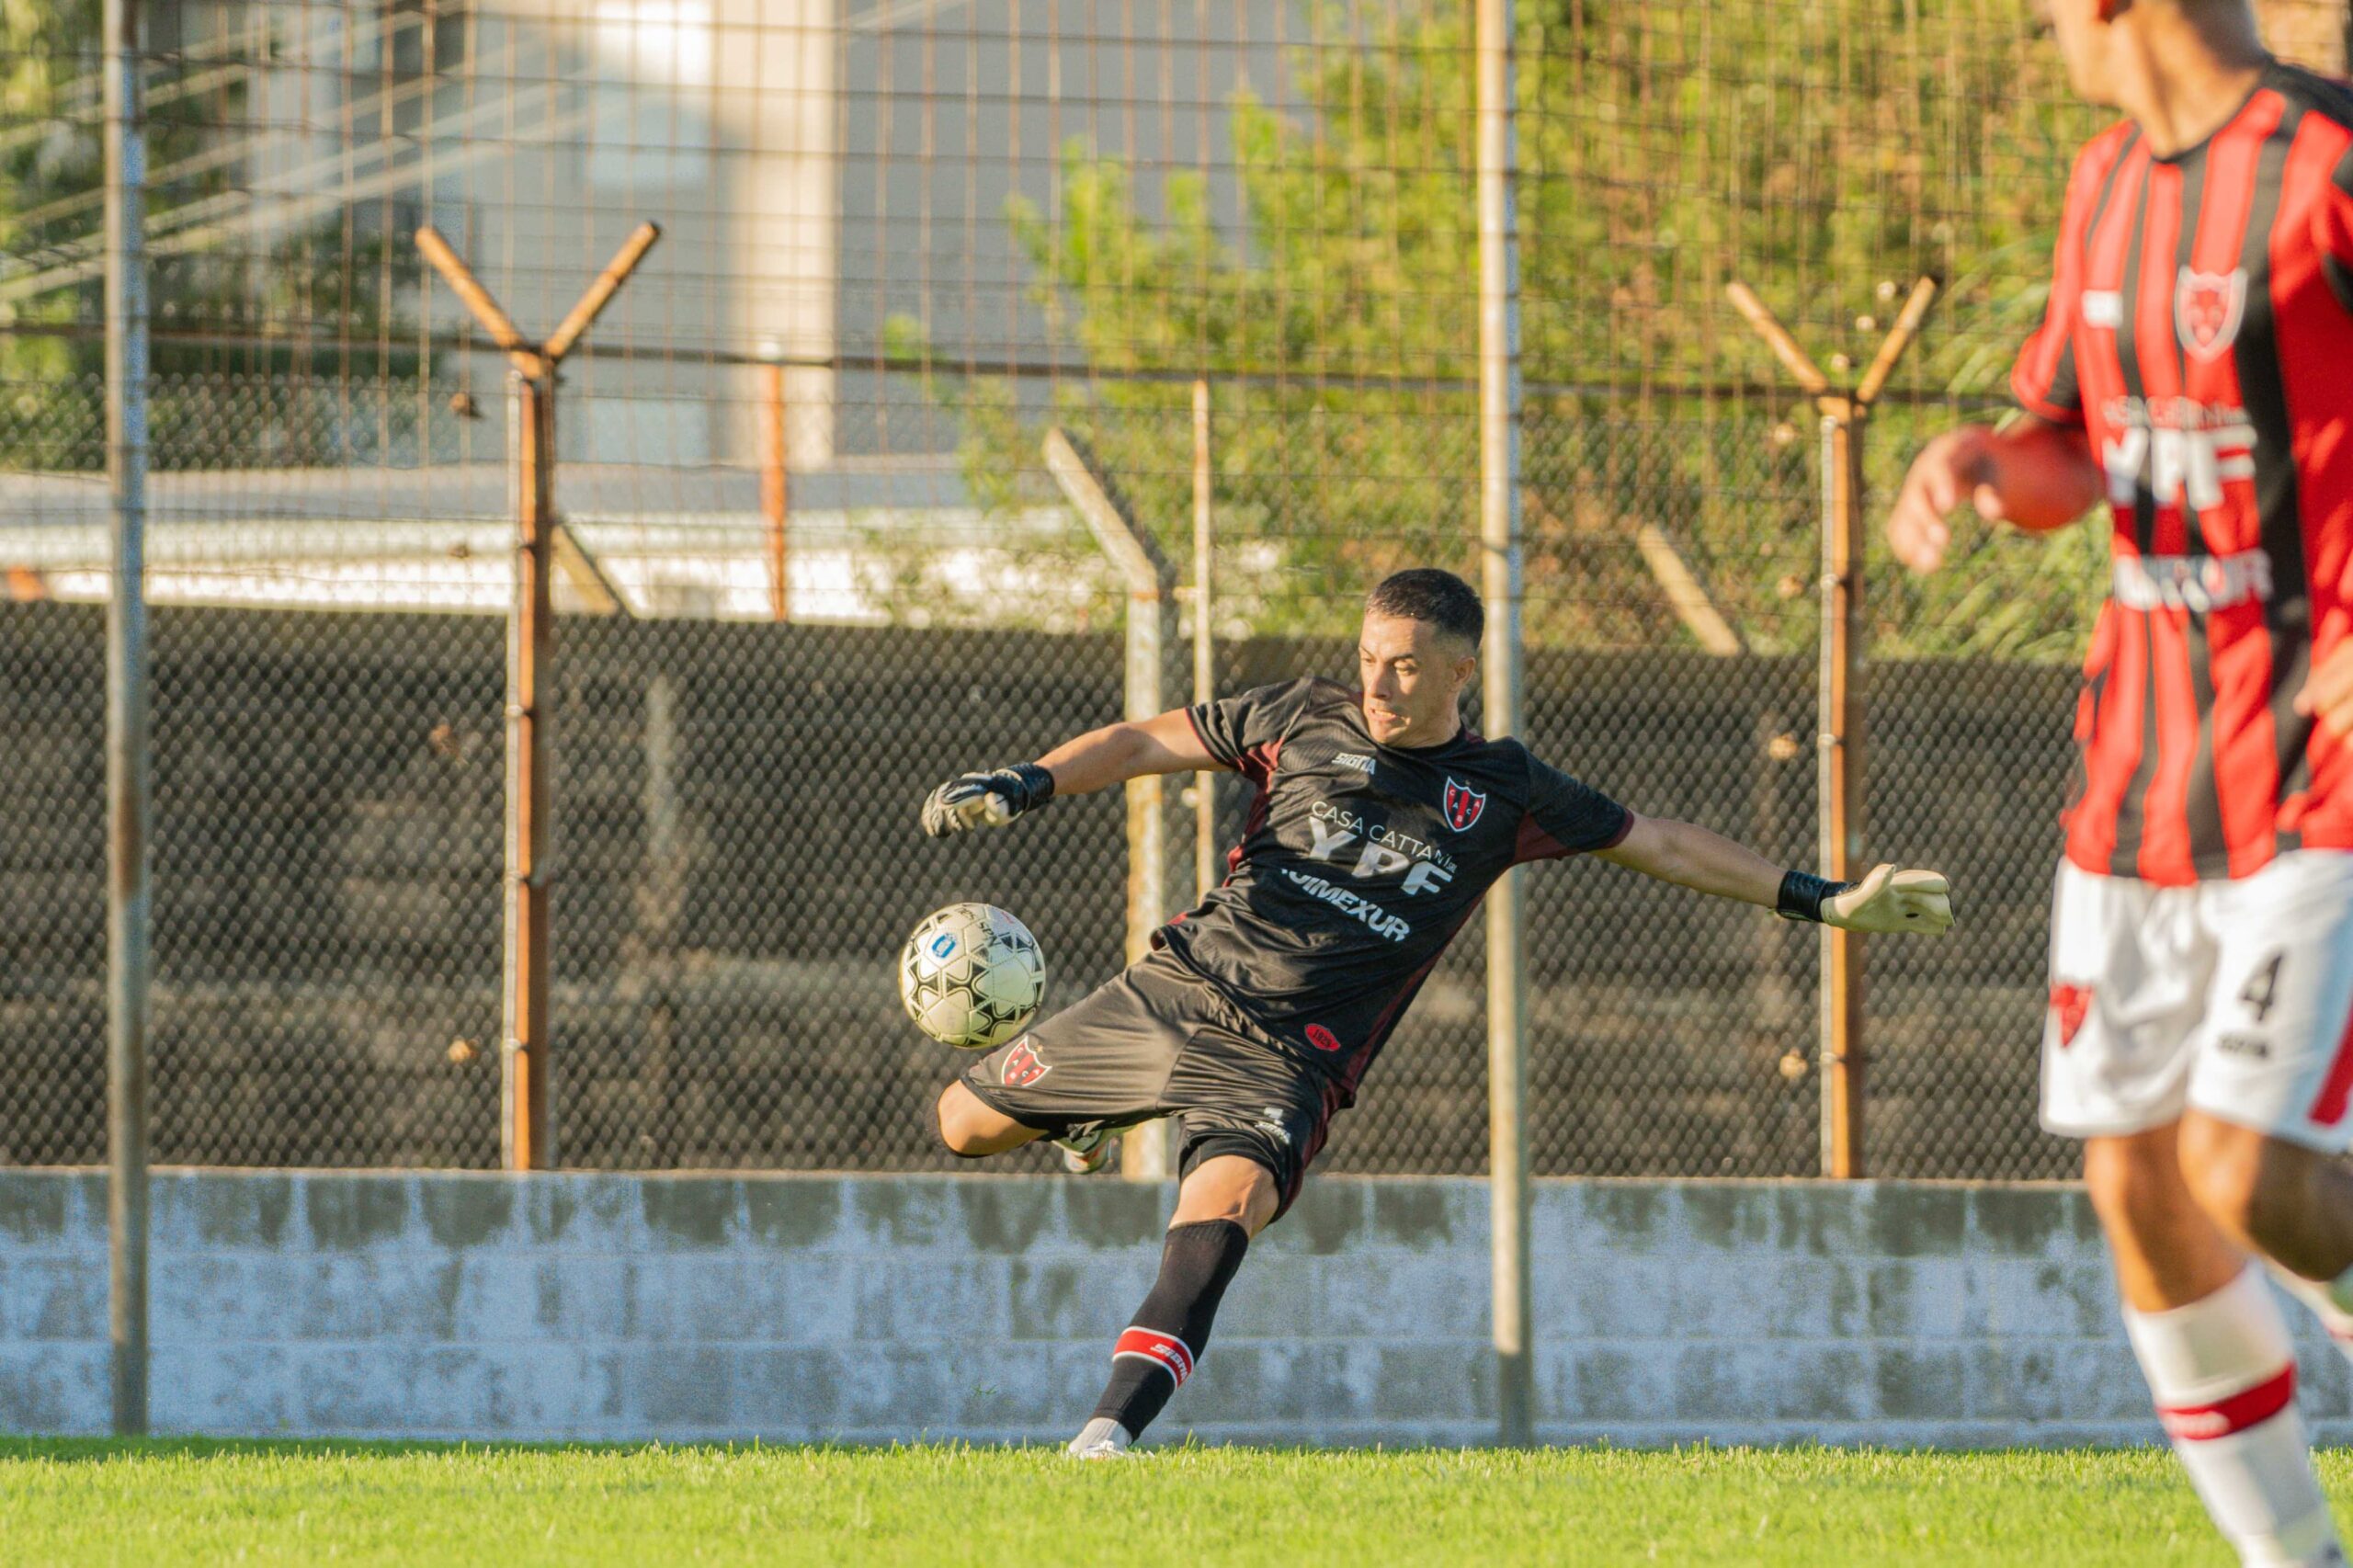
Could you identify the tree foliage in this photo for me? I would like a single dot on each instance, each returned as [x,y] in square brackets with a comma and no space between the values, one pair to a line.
[1827,153]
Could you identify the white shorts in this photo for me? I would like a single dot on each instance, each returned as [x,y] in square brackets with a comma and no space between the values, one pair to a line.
[2232,997]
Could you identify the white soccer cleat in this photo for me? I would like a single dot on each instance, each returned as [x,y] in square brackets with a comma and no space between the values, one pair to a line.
[1083,1154]
[1101,1438]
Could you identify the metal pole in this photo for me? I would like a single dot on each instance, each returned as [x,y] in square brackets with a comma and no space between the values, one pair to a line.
[1205,875]
[1151,637]
[525,1140]
[776,486]
[1499,396]
[127,756]
[1840,796]
[1838,738]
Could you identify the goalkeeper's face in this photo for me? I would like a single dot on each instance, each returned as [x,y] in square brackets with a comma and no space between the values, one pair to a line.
[1412,676]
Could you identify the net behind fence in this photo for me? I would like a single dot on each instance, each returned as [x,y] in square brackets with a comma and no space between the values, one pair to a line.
[738,862]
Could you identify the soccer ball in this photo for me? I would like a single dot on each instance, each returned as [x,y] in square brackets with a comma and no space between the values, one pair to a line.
[971,976]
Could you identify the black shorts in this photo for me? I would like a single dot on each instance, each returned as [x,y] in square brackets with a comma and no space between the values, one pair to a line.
[1160,1040]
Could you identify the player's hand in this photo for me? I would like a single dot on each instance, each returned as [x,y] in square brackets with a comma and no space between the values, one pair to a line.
[1951,470]
[1893,900]
[986,800]
[2327,694]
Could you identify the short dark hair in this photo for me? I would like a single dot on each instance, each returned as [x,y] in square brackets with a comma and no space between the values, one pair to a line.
[1426,593]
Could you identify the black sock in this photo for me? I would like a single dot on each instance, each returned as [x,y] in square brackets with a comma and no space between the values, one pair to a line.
[1172,1328]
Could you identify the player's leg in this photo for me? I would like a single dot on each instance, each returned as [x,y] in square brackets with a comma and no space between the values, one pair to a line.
[2214,1348]
[2130,967]
[2271,1096]
[1078,1078]
[1221,1204]
[972,1129]
[1254,1120]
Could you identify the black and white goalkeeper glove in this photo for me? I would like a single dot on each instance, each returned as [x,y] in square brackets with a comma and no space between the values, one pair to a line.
[1888,899]
[986,800]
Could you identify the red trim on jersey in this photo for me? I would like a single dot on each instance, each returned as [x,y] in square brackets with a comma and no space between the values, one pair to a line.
[2247,750]
[2248,1407]
[2165,823]
[2239,655]
[1534,844]
[2034,379]
[1260,803]
[2114,752]
[1379,1034]
[1164,1350]
[2315,344]
[2336,1090]
[2153,335]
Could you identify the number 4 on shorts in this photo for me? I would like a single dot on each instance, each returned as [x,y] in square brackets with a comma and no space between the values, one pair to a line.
[2262,987]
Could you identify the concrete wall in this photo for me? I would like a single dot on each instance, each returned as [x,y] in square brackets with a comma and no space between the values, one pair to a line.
[873,1309]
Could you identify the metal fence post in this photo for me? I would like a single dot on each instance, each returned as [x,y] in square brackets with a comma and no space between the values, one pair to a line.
[1205,875]
[129,760]
[1839,706]
[1499,503]
[776,480]
[1152,641]
[525,1140]
[527,1129]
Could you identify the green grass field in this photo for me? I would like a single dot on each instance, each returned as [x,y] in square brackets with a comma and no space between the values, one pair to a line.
[88,1502]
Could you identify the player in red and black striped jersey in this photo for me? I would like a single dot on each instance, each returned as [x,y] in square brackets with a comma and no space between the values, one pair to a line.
[1379,822]
[2195,368]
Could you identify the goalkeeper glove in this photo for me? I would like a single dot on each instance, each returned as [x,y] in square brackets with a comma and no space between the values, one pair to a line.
[986,800]
[1886,900]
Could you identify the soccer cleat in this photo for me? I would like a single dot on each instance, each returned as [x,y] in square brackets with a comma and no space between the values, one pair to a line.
[1087,1152]
[1101,1438]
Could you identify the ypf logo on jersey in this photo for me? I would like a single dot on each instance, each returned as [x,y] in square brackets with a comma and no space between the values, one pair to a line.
[1022,1067]
[2208,308]
[1463,805]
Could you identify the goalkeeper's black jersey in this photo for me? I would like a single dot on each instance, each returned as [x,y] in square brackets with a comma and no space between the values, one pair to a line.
[1360,862]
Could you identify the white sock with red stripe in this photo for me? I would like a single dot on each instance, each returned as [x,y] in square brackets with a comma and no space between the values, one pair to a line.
[2223,1372]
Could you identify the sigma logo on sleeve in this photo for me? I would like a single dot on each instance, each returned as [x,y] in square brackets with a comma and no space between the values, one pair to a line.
[1022,1067]
[1464,806]
[1350,759]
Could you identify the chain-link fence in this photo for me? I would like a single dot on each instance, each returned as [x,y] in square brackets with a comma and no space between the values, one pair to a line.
[812,559]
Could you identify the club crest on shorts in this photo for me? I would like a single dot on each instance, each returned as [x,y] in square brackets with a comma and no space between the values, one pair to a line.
[2208,308]
[1463,805]
[1322,1038]
[2069,1005]
[1022,1067]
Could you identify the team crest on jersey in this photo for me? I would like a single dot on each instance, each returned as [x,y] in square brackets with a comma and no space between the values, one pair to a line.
[1022,1067]
[2208,308]
[1463,805]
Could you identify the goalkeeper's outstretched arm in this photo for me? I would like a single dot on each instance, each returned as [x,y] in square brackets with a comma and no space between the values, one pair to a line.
[1095,760]
[1888,899]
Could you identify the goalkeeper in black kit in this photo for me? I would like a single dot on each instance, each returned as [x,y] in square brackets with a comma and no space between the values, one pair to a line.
[1380,821]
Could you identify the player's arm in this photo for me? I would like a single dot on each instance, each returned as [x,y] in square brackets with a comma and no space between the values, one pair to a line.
[2031,473]
[1095,760]
[1889,899]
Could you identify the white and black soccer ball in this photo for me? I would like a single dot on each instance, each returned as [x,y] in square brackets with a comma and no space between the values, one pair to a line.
[971,976]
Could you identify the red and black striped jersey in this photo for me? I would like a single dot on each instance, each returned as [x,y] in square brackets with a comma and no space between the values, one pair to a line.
[2200,332]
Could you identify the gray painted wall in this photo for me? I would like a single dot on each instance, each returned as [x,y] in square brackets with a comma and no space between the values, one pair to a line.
[872,1309]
